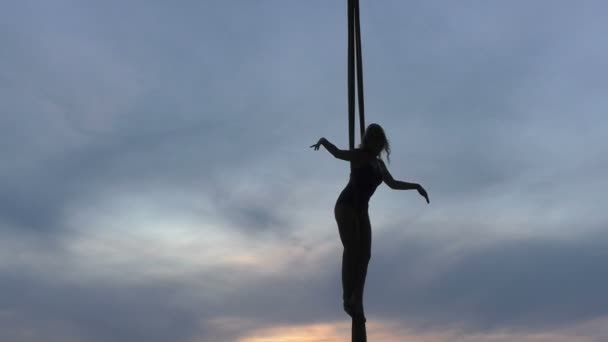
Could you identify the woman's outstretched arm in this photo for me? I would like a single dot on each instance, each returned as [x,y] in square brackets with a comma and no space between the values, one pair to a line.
[399,185]
[348,155]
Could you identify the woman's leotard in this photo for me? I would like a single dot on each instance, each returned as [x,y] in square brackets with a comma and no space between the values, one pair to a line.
[362,184]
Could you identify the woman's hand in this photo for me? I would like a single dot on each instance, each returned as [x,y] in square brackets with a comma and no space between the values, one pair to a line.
[423,193]
[318,144]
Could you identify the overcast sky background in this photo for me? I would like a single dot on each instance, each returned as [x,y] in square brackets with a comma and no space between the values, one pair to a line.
[157,182]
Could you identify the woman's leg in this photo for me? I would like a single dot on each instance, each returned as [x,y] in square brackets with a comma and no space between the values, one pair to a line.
[346,220]
[355,234]
[363,255]
[364,243]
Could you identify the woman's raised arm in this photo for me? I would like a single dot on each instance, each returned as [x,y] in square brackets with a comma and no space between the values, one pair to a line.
[347,155]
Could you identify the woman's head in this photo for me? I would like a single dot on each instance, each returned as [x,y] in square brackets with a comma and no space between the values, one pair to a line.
[375,141]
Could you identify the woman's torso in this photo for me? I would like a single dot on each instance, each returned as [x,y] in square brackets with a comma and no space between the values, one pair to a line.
[364,179]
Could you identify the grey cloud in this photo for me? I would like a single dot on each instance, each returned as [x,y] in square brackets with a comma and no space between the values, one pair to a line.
[520,284]
[523,285]
[48,306]
[475,99]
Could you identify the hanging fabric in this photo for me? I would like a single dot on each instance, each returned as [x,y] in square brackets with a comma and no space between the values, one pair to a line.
[355,66]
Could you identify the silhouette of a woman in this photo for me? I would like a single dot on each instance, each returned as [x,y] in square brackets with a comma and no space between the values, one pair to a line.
[351,211]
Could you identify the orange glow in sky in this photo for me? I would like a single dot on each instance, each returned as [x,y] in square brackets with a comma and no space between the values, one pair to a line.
[307,333]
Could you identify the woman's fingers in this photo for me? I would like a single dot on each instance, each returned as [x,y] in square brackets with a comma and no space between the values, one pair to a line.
[316,146]
[423,193]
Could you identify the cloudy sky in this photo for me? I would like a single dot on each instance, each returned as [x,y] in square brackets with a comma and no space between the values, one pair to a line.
[157,182]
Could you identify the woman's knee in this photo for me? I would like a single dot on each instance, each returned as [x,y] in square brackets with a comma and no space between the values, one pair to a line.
[357,255]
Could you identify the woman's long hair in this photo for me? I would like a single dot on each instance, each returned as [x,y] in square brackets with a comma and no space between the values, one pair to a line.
[374,134]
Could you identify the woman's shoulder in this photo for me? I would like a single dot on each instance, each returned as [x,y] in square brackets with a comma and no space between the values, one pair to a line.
[364,157]
[367,155]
